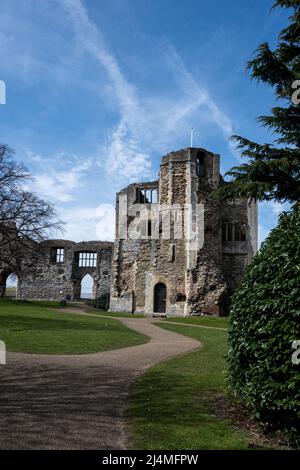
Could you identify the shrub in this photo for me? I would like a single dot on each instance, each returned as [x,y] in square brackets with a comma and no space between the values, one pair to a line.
[264,321]
[62,303]
[100,303]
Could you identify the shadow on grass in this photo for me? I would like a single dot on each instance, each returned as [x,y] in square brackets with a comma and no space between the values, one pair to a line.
[32,322]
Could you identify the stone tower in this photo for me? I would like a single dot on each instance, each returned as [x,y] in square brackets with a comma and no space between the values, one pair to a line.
[192,250]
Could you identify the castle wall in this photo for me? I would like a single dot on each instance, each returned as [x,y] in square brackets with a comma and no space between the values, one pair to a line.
[196,280]
[236,255]
[196,272]
[44,278]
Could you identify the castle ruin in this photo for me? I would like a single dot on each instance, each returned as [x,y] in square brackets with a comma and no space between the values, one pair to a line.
[153,267]
[157,274]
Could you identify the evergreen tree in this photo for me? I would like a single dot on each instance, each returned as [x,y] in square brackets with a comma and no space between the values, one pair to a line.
[273,171]
[264,323]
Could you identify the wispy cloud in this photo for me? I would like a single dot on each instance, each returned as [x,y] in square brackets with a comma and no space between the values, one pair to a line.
[57,178]
[150,124]
[82,94]
[123,154]
[198,95]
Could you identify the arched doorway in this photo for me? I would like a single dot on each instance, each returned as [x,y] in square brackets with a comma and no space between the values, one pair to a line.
[11,286]
[87,287]
[160,298]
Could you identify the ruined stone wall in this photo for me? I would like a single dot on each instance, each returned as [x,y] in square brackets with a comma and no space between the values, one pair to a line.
[196,280]
[205,281]
[132,257]
[44,278]
[237,254]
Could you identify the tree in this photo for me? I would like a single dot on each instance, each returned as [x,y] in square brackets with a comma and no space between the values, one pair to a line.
[25,219]
[273,170]
[264,323]
[265,309]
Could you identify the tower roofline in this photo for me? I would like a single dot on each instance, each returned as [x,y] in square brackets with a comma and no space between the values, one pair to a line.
[184,154]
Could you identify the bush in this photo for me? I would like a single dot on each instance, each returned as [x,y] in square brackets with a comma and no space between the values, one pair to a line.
[100,303]
[62,303]
[264,321]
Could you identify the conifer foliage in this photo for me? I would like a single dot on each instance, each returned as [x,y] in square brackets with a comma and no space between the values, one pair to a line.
[272,171]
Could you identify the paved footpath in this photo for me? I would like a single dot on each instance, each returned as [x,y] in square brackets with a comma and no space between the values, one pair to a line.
[78,401]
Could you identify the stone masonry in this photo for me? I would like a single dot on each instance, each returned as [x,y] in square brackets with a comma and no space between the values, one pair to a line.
[154,266]
[168,275]
[56,270]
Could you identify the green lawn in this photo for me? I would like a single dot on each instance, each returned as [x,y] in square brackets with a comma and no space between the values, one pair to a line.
[220,322]
[32,327]
[113,314]
[10,291]
[173,405]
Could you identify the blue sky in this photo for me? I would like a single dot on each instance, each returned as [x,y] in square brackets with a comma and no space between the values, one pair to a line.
[99,90]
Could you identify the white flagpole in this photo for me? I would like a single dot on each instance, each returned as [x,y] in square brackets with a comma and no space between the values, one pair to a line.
[192,136]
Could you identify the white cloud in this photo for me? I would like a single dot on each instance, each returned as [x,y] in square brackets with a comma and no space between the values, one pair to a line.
[147,123]
[123,158]
[58,177]
[152,123]
[277,207]
[199,96]
[89,223]
[262,234]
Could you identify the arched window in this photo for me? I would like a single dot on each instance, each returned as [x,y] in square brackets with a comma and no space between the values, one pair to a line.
[87,287]
[200,164]
[11,286]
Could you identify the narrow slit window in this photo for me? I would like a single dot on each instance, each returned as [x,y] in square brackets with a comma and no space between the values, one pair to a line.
[200,164]
[149,228]
[154,198]
[224,232]
[230,232]
[240,232]
[234,232]
[173,253]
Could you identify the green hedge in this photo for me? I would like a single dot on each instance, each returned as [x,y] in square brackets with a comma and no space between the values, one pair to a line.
[264,321]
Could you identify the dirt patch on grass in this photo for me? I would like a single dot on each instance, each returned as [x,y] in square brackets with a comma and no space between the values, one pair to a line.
[225,407]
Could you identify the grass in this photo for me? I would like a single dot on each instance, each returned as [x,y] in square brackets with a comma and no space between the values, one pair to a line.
[114,314]
[36,303]
[32,327]
[11,291]
[173,405]
[219,322]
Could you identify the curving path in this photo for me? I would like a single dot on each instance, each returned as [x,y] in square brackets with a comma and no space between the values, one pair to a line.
[78,401]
